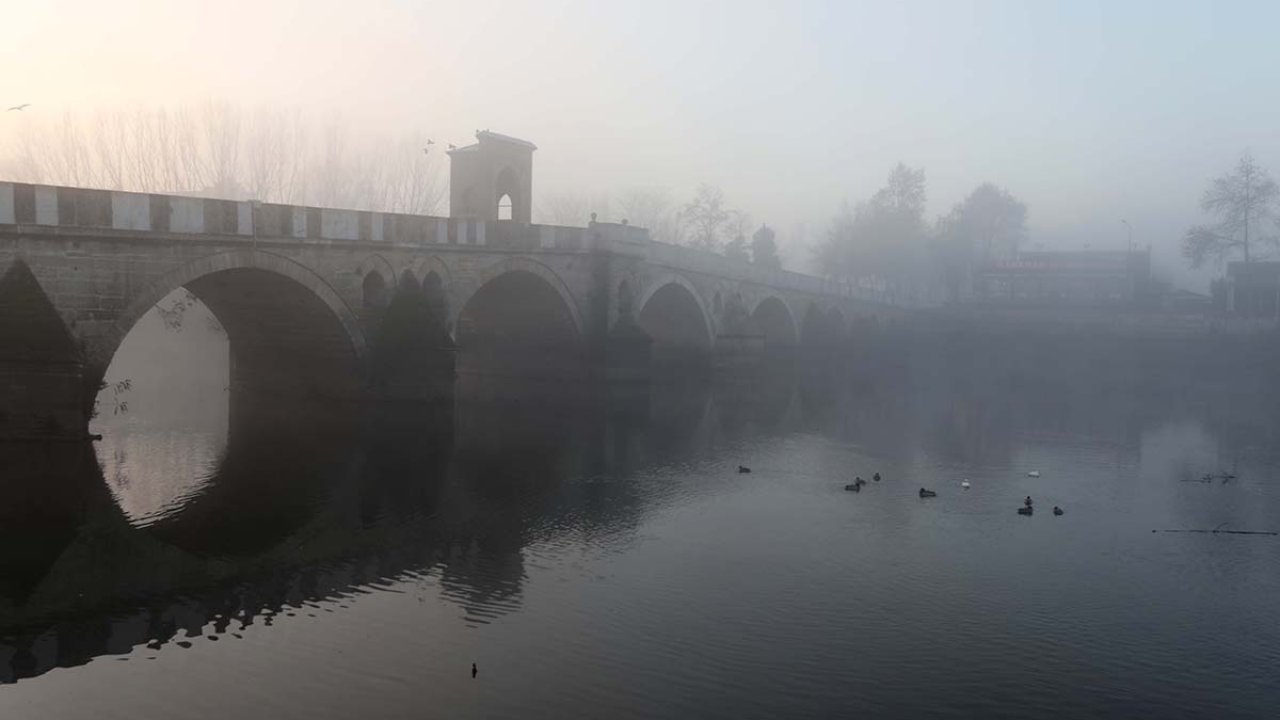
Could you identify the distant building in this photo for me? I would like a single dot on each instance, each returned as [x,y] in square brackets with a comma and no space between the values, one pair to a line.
[1065,278]
[1253,289]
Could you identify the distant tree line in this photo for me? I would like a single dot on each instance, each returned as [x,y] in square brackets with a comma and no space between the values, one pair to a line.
[886,243]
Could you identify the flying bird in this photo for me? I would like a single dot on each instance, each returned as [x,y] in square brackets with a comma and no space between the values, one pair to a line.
[19,107]
[452,146]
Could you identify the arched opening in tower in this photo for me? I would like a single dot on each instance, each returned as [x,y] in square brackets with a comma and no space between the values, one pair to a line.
[518,324]
[511,202]
[675,322]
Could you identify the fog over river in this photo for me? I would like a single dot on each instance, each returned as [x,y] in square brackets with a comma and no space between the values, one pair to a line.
[596,553]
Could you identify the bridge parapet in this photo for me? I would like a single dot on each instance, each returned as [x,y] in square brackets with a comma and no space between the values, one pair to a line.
[128,213]
[116,210]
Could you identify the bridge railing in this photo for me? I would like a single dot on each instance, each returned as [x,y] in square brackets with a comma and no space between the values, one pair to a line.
[57,206]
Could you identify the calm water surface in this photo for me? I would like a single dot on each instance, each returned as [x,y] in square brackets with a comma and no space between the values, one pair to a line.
[600,556]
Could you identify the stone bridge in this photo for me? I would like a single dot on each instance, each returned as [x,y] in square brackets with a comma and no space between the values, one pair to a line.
[321,302]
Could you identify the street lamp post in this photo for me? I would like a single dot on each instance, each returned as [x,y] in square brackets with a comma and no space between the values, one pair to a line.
[1129,228]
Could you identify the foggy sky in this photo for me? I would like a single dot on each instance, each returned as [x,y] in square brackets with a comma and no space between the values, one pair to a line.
[1090,112]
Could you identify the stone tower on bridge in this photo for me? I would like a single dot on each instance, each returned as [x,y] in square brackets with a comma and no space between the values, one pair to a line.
[492,179]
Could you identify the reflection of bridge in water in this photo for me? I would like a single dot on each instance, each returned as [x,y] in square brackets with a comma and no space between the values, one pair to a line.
[309,510]
[343,304]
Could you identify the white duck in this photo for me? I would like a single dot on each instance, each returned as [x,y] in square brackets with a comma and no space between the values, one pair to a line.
[1034,473]
[964,484]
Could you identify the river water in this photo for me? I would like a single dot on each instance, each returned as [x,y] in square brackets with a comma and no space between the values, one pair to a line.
[596,553]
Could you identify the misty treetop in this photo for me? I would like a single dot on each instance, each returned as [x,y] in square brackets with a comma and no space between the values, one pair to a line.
[882,236]
[989,225]
[764,248]
[886,238]
[1243,203]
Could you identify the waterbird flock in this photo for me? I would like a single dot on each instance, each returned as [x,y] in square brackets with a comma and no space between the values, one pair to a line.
[1027,508]
[858,483]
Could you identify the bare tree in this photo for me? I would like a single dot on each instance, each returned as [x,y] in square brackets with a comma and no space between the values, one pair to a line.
[275,153]
[409,181]
[1241,201]
[705,218]
[219,150]
[652,209]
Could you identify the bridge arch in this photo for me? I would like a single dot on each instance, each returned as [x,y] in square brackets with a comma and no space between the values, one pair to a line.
[519,264]
[822,328]
[377,263]
[432,264]
[245,260]
[672,313]
[438,286]
[519,318]
[812,325]
[836,323]
[374,293]
[288,329]
[773,318]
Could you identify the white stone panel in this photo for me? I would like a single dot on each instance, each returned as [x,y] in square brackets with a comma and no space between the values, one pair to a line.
[46,206]
[375,227]
[299,222]
[339,225]
[130,211]
[442,232]
[244,218]
[186,215]
[546,236]
[480,230]
[6,204]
